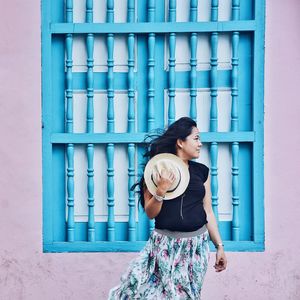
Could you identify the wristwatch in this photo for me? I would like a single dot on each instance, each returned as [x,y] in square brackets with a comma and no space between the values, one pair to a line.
[219,244]
[159,198]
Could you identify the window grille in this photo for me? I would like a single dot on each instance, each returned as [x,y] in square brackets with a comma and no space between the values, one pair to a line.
[114,70]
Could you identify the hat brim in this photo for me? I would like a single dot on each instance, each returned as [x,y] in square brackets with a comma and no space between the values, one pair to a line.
[179,164]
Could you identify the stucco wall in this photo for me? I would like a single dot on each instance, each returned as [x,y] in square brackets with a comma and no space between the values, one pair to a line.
[27,273]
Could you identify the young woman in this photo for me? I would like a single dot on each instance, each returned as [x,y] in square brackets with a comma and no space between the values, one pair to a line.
[174,261]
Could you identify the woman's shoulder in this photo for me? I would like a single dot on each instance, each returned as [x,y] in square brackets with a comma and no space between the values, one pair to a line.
[200,168]
[197,164]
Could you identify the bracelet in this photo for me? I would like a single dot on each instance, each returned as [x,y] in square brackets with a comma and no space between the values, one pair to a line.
[159,198]
[219,244]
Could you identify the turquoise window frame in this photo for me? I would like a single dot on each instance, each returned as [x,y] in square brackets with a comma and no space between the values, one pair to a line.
[54,139]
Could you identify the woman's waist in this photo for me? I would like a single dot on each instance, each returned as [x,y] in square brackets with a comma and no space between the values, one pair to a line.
[182,234]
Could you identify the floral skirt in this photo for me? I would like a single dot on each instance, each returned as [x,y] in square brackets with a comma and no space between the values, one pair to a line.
[167,268]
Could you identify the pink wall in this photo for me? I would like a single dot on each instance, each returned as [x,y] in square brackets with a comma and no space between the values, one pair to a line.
[27,273]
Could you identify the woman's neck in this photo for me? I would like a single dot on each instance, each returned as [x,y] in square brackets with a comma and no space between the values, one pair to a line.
[183,157]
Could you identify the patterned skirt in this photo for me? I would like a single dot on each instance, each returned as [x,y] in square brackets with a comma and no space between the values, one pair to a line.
[167,268]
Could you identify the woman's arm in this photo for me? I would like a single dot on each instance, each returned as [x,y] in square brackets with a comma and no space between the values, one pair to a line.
[152,206]
[212,226]
[164,181]
[211,219]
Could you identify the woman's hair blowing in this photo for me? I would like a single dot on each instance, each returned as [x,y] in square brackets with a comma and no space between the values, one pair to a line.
[165,142]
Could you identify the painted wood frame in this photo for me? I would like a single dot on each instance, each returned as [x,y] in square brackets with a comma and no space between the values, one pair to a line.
[59,81]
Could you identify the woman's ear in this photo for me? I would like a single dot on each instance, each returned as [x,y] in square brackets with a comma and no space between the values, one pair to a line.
[179,143]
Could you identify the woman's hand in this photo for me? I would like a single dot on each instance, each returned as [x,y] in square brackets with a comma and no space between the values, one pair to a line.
[221,260]
[164,181]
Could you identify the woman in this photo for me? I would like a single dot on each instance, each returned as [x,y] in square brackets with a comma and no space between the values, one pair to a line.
[174,261]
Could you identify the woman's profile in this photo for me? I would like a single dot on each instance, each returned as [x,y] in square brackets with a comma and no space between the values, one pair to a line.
[176,193]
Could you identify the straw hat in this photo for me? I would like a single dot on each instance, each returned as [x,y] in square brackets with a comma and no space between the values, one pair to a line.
[172,163]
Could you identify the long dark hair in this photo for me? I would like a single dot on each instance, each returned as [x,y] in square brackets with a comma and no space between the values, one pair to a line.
[164,141]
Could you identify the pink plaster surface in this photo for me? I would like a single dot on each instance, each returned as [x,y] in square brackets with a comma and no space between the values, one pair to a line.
[27,273]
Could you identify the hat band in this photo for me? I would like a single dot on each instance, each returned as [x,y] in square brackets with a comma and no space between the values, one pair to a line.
[168,191]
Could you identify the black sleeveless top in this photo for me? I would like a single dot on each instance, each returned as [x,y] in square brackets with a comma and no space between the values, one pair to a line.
[186,212]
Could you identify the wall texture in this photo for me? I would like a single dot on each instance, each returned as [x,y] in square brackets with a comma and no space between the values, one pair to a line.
[27,273]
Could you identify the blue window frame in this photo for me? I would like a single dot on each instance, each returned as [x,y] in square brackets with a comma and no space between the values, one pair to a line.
[96,111]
